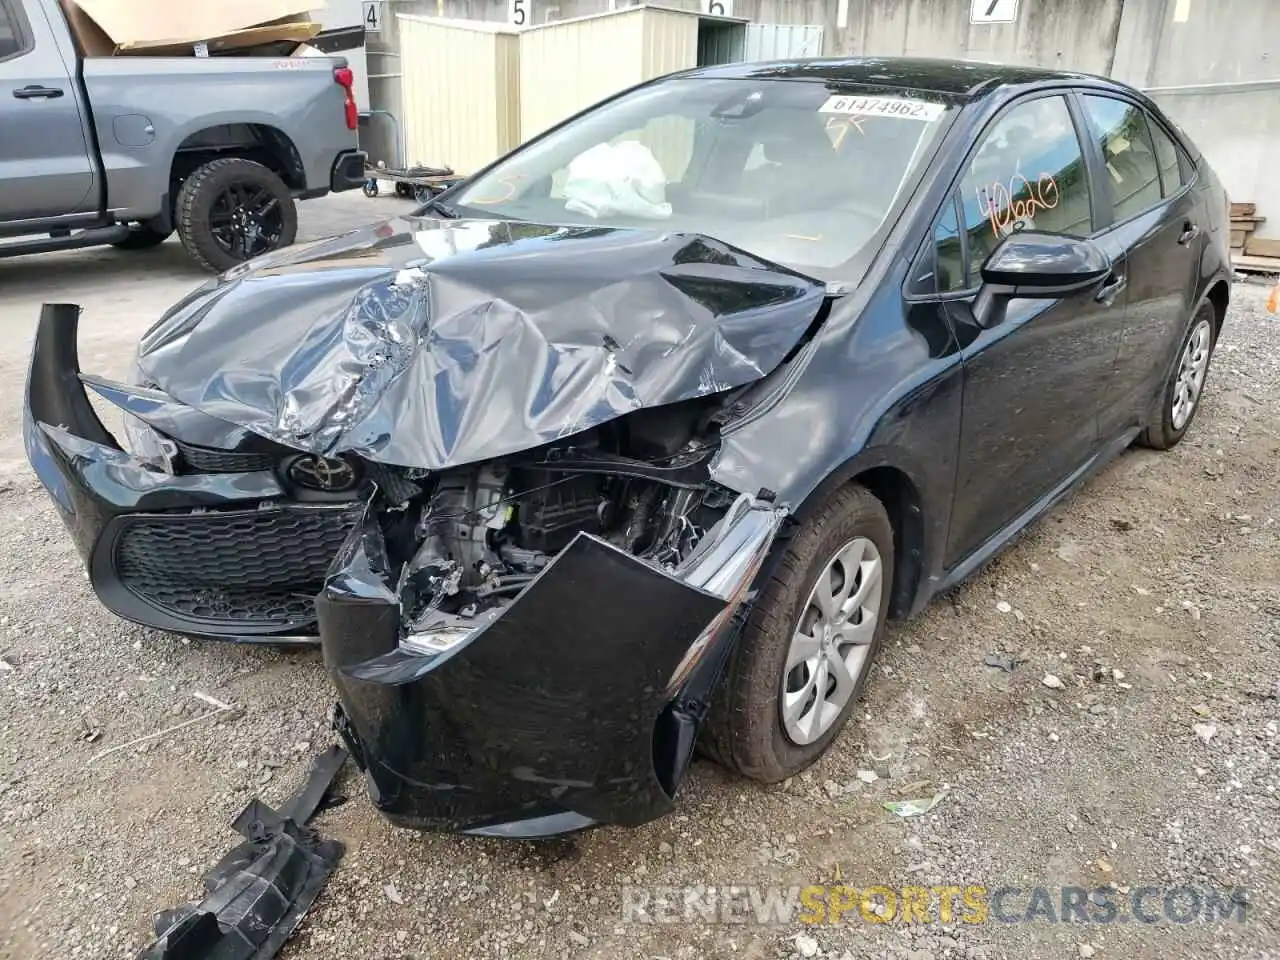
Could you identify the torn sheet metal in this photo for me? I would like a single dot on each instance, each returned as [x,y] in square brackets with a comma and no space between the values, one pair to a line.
[530,726]
[427,343]
[257,894]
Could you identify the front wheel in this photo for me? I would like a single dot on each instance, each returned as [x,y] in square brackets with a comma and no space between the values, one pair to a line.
[231,210]
[1180,398]
[807,648]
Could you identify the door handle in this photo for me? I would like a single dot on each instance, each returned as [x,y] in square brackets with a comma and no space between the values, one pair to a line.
[1189,232]
[1111,288]
[34,92]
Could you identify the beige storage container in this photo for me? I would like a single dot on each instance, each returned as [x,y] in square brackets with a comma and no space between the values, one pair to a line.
[567,65]
[460,95]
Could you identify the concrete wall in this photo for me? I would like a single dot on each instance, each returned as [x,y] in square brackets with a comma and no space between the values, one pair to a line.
[1182,50]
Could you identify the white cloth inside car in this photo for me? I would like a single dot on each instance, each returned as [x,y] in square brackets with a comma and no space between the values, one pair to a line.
[619,179]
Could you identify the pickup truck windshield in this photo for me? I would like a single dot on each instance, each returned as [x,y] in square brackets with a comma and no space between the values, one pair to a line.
[792,172]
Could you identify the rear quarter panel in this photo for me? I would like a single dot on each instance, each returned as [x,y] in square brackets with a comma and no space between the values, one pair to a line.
[178,96]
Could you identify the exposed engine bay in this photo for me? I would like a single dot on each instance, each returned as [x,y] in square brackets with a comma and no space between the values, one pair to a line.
[475,536]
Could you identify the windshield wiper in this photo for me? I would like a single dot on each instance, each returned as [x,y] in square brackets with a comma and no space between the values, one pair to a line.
[444,209]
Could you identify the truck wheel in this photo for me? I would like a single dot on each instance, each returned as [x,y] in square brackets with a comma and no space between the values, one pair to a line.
[231,210]
[142,237]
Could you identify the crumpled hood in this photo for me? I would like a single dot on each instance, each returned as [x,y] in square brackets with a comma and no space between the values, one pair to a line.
[433,343]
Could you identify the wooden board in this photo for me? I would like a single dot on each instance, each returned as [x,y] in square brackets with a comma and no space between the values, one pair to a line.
[1258,247]
[1243,209]
[1264,265]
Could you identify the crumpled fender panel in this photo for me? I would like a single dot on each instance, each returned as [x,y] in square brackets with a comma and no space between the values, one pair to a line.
[430,344]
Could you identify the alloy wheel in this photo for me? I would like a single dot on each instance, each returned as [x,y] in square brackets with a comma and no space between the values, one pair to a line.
[246,220]
[1192,367]
[830,648]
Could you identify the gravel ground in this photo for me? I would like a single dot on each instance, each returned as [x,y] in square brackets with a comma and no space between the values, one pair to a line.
[1153,596]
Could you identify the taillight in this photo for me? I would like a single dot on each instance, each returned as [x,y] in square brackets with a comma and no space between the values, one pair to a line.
[344,77]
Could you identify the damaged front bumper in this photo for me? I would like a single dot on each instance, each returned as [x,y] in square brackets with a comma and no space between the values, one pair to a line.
[578,704]
[228,553]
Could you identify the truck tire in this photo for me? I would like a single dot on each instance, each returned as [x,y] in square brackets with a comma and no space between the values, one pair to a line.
[231,210]
[142,237]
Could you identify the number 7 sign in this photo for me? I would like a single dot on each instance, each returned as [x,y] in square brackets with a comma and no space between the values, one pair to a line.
[993,11]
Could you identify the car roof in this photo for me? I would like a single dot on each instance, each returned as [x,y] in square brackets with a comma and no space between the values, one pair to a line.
[966,79]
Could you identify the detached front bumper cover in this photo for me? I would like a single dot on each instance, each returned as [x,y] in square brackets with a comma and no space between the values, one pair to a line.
[577,705]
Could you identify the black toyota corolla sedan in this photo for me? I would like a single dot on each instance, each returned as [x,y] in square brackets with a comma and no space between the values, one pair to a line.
[637,437]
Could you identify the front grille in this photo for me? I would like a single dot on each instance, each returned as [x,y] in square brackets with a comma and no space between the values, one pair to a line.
[260,566]
[207,460]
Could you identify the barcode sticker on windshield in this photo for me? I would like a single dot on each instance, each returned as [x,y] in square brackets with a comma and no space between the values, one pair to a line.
[883,107]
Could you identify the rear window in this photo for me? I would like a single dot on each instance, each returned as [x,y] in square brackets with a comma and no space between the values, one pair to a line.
[1121,131]
[1166,159]
[12,38]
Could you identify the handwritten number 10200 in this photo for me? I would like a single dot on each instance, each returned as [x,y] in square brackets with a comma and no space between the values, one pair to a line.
[1006,205]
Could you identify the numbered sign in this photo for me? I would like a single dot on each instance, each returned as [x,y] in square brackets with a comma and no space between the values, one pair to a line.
[520,12]
[993,11]
[373,16]
[718,8]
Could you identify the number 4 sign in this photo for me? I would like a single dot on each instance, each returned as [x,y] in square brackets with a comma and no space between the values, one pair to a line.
[373,16]
[993,11]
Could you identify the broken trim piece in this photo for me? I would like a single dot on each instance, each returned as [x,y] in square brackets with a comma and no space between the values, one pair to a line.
[259,892]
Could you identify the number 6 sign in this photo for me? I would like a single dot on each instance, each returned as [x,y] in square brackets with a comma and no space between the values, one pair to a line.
[718,8]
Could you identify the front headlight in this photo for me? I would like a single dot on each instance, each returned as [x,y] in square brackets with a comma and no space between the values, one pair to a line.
[141,439]
[145,443]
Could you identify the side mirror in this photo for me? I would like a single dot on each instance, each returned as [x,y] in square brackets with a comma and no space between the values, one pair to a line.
[1030,264]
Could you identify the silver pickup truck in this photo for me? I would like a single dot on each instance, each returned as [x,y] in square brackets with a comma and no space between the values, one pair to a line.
[124,150]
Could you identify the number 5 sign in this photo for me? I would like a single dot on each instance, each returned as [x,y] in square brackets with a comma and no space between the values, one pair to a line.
[718,8]
[519,11]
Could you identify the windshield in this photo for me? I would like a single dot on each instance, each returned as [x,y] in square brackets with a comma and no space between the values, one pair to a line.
[792,172]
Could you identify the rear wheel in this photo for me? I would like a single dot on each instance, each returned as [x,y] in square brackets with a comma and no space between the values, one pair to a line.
[807,649]
[142,237]
[1180,398]
[231,210]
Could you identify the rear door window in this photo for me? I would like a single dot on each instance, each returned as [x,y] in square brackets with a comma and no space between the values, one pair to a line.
[1028,173]
[1166,159]
[12,35]
[1120,129]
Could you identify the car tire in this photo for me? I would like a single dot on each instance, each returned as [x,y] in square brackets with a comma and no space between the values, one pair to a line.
[142,237]
[207,213]
[1190,371]
[746,730]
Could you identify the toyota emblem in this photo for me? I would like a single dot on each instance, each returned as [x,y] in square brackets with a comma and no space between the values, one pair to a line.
[320,473]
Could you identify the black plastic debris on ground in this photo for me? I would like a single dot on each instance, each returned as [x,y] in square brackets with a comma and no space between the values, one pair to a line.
[257,894]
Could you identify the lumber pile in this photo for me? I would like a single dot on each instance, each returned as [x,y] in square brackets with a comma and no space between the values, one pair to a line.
[1250,253]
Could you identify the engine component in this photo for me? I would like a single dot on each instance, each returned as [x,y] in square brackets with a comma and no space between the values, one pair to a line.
[554,507]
